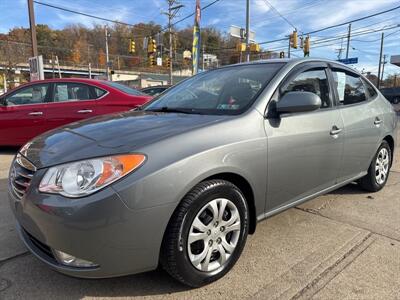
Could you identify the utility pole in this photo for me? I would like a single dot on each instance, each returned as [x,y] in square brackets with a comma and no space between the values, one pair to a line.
[170,2]
[348,42]
[340,50]
[88,60]
[58,66]
[33,28]
[172,11]
[203,57]
[380,61]
[107,57]
[247,30]
[288,51]
[52,64]
[383,66]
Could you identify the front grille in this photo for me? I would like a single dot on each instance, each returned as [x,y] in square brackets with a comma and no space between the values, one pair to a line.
[21,174]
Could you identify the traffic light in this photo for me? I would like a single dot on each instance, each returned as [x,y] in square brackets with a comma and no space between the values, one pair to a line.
[152,60]
[306,46]
[168,62]
[254,47]
[151,46]
[282,54]
[241,47]
[293,39]
[132,46]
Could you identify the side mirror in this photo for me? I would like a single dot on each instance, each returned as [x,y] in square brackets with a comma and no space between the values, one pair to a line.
[3,101]
[293,102]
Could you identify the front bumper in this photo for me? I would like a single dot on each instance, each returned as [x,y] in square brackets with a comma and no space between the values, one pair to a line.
[99,228]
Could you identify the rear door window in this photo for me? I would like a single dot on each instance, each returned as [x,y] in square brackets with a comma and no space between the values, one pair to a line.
[349,86]
[99,92]
[64,92]
[370,90]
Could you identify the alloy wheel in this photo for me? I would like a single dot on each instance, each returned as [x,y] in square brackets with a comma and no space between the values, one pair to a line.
[382,166]
[214,235]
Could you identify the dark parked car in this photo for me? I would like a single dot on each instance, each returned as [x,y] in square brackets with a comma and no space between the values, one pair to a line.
[392,94]
[186,178]
[155,90]
[39,106]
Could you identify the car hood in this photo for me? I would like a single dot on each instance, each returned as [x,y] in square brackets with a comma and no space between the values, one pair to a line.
[110,134]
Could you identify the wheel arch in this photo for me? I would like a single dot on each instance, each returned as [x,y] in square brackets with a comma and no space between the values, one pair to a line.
[247,191]
[390,140]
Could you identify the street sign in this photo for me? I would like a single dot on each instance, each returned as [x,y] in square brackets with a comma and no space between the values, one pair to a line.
[36,68]
[238,32]
[349,61]
[159,61]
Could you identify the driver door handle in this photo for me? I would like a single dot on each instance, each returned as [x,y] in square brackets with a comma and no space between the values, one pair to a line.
[377,121]
[36,113]
[85,111]
[335,130]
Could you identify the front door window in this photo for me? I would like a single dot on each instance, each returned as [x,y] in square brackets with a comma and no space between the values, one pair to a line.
[34,94]
[314,81]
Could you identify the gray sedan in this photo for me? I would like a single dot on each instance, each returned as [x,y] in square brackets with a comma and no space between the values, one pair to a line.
[183,181]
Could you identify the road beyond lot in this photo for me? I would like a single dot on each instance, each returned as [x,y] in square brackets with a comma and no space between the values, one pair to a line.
[343,245]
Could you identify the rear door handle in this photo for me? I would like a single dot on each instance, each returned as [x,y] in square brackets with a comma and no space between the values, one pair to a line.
[36,113]
[377,121]
[85,111]
[335,130]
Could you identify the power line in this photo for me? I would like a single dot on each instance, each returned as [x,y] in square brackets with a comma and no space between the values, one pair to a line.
[354,20]
[322,43]
[337,25]
[282,16]
[82,13]
[120,22]
[291,11]
[372,41]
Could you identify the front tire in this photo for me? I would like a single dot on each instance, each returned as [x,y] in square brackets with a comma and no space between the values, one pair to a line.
[378,171]
[206,233]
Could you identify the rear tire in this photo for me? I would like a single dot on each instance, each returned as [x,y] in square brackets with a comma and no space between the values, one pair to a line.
[206,233]
[378,171]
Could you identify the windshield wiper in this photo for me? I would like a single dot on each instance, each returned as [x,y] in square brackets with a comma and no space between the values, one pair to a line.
[174,110]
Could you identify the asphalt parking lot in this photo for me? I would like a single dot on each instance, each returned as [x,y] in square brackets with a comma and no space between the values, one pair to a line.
[343,245]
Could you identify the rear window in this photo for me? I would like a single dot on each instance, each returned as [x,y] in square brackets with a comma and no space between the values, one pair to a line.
[124,88]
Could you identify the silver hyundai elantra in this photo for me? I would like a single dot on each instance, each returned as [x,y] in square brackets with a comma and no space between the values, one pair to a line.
[182,181]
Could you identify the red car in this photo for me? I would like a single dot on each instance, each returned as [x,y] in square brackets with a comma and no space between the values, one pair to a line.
[39,106]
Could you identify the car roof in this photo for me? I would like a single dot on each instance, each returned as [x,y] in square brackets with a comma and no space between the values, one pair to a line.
[291,61]
[84,80]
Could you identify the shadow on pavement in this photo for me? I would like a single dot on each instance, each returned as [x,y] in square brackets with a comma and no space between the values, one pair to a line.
[350,189]
[52,284]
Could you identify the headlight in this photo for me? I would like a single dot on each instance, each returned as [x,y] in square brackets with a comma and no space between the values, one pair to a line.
[85,177]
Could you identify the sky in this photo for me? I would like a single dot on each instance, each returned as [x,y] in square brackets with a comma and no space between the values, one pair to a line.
[305,15]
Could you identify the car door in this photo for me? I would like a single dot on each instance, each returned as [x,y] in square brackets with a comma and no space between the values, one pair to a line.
[22,114]
[71,102]
[304,149]
[362,119]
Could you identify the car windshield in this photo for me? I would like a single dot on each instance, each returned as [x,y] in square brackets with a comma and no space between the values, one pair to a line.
[229,90]
[124,88]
